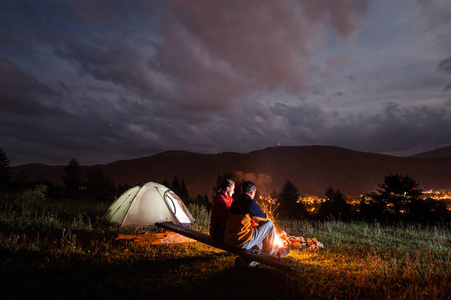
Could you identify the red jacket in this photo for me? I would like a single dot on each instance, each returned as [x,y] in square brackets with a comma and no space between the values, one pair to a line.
[219,211]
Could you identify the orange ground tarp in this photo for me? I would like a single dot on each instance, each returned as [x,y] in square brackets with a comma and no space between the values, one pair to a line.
[156,238]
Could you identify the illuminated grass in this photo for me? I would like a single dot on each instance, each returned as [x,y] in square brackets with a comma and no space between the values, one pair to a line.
[372,261]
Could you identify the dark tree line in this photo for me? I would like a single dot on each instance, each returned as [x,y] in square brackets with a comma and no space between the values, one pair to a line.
[398,197]
[5,171]
[91,183]
[335,206]
[179,187]
[81,182]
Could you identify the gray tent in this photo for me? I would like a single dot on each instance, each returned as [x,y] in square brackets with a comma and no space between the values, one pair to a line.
[147,204]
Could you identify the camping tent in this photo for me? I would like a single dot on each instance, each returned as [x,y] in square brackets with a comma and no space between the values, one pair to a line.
[147,204]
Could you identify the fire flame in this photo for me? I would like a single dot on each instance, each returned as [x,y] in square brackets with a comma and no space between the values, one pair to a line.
[278,241]
[269,205]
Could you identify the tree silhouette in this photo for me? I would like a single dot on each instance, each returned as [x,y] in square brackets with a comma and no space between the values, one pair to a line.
[203,201]
[289,204]
[180,189]
[429,210]
[98,186]
[184,194]
[176,186]
[335,206]
[72,178]
[166,183]
[5,170]
[373,207]
[393,199]
[398,190]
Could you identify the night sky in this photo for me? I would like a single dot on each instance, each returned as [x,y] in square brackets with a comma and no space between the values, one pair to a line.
[101,81]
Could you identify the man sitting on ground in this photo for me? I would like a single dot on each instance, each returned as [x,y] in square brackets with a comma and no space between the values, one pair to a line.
[248,227]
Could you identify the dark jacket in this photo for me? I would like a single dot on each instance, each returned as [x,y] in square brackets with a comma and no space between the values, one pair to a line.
[240,225]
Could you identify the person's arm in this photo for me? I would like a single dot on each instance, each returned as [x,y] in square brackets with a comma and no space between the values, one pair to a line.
[256,212]
[222,211]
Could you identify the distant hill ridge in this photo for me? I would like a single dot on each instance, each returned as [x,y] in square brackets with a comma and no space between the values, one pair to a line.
[311,168]
[438,153]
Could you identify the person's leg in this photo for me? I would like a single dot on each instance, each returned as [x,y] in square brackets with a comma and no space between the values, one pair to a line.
[251,243]
[263,238]
[268,240]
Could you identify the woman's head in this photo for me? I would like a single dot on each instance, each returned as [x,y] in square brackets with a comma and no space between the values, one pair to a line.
[228,186]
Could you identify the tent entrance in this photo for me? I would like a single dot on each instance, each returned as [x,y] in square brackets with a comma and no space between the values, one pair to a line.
[173,203]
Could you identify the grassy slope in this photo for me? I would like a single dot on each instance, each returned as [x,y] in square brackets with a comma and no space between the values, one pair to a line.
[69,254]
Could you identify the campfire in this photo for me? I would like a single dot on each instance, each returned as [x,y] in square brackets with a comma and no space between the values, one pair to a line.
[282,239]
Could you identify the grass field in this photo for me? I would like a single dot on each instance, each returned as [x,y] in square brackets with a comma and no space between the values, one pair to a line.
[62,250]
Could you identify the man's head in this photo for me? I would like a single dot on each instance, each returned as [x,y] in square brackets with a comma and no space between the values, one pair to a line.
[249,188]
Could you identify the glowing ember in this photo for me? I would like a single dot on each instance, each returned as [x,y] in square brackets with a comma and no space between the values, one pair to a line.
[278,241]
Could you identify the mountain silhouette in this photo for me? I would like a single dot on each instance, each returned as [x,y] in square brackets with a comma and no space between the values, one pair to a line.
[438,153]
[311,168]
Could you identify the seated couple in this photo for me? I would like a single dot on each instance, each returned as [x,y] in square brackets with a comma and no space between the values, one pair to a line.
[244,224]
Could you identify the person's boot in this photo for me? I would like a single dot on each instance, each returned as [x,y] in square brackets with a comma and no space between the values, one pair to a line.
[241,263]
[283,252]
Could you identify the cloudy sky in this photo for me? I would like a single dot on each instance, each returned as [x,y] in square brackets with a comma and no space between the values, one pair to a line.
[101,81]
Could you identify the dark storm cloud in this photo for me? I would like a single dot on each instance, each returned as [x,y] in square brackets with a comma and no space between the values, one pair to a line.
[394,129]
[9,40]
[212,54]
[445,65]
[401,128]
[17,99]
[107,80]
[208,54]
[64,86]
[305,116]
[248,45]
[438,14]
[122,64]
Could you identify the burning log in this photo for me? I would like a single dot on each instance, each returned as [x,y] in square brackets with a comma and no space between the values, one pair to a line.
[299,242]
